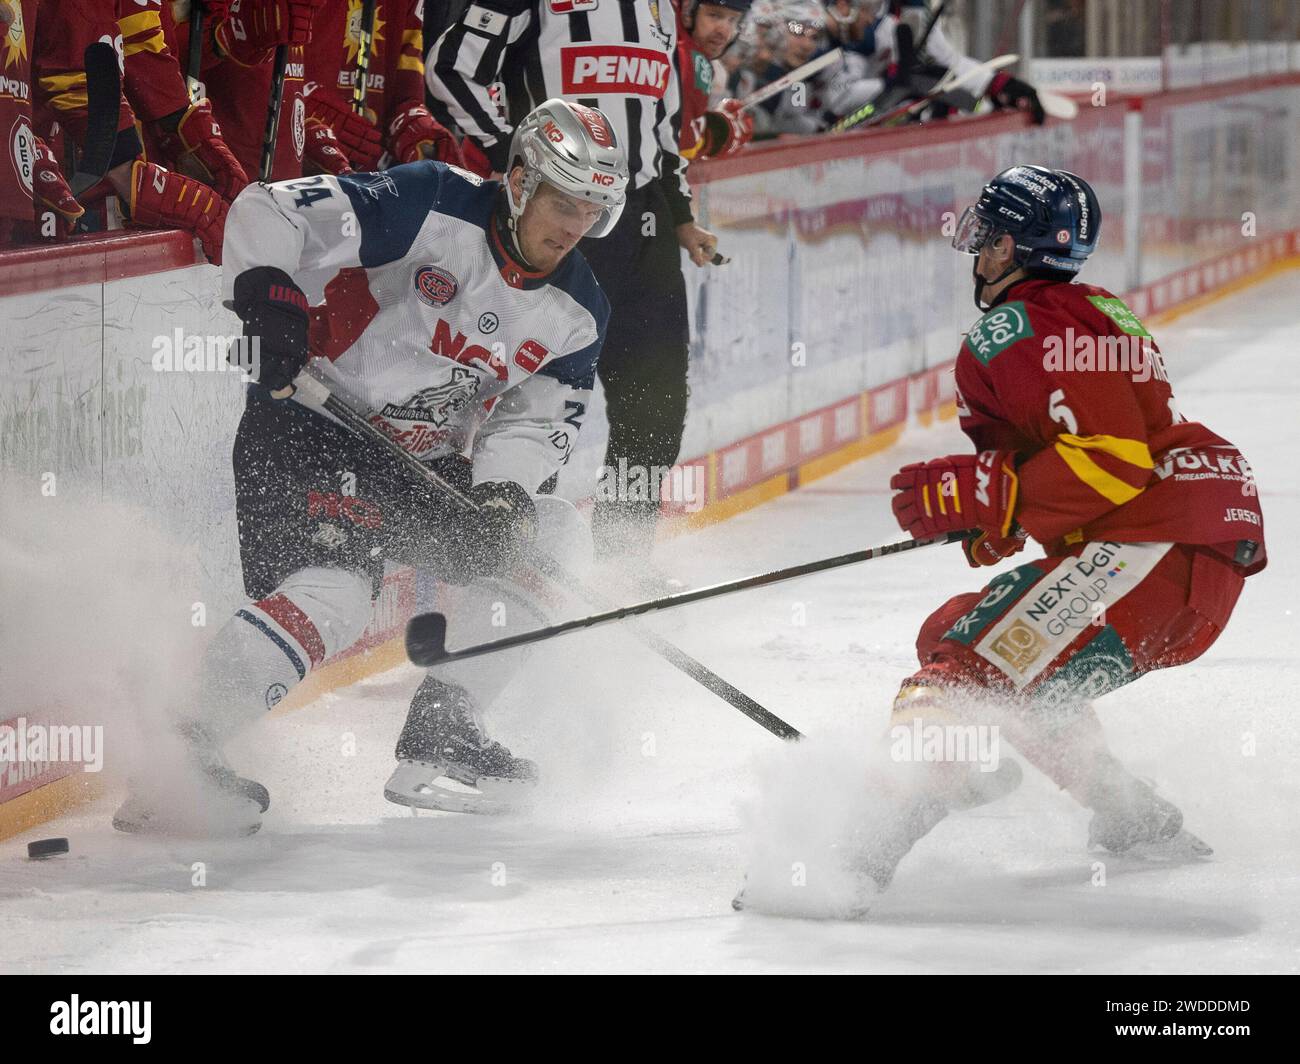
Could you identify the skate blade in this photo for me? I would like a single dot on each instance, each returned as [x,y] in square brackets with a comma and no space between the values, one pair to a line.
[788,905]
[1182,847]
[135,820]
[488,795]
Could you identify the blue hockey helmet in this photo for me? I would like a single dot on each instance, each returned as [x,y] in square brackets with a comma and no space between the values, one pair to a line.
[1052,215]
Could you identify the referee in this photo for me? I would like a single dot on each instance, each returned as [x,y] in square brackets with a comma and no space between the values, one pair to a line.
[617,55]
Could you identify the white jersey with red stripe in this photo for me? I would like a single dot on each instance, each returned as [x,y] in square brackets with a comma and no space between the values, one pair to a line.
[427,318]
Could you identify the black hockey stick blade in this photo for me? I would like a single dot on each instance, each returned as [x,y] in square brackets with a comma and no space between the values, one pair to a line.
[426,639]
[103,97]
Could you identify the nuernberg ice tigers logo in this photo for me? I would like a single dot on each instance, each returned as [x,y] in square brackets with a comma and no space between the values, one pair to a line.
[435,405]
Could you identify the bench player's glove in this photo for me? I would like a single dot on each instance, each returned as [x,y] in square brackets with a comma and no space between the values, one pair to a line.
[193,143]
[163,199]
[357,136]
[415,134]
[274,310]
[1011,94]
[956,493]
[52,194]
[726,130]
[503,529]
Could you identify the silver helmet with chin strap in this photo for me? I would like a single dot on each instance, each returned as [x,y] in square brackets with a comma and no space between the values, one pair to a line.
[573,149]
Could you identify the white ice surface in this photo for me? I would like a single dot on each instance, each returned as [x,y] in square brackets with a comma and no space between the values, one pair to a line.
[639,843]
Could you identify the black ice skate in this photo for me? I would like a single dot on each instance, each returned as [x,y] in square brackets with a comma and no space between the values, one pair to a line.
[1132,819]
[446,762]
[209,798]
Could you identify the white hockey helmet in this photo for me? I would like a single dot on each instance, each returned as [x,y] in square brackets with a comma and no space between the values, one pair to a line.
[575,150]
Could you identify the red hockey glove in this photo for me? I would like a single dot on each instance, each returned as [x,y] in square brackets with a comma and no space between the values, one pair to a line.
[727,130]
[985,548]
[164,199]
[53,193]
[194,146]
[249,31]
[414,134]
[322,150]
[955,493]
[476,160]
[359,139]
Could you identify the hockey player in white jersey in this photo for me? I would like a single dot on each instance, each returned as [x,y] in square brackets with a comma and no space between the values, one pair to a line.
[458,313]
[896,51]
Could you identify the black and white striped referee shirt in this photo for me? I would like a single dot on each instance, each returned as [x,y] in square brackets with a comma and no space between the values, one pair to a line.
[618,55]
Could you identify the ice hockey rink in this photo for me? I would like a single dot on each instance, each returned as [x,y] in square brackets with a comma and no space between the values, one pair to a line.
[651,802]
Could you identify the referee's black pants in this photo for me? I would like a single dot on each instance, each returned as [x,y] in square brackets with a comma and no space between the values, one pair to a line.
[643,363]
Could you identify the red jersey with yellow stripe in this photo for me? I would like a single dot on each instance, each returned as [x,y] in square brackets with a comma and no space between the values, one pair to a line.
[395,76]
[1068,378]
[17,26]
[151,76]
[696,74]
[63,30]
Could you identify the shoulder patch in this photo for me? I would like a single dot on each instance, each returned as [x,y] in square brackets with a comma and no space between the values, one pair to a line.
[1117,311]
[703,73]
[997,330]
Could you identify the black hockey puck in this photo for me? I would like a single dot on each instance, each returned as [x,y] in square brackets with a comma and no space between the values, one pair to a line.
[43,848]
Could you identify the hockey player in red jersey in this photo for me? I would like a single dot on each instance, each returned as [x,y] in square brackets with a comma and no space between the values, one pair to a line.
[394,125]
[1150,524]
[706,29]
[152,195]
[239,46]
[35,200]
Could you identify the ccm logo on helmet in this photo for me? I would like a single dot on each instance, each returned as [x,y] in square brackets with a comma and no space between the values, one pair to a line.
[602,179]
[614,68]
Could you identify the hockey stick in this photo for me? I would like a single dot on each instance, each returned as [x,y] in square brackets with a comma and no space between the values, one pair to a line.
[273,112]
[426,632]
[317,392]
[865,115]
[935,15]
[365,36]
[103,99]
[868,109]
[1057,105]
[803,73]
[195,57]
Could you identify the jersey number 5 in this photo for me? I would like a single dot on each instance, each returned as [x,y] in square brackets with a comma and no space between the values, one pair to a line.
[1059,412]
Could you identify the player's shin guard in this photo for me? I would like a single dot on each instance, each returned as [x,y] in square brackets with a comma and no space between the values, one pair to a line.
[443,736]
[934,741]
[261,652]
[270,645]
